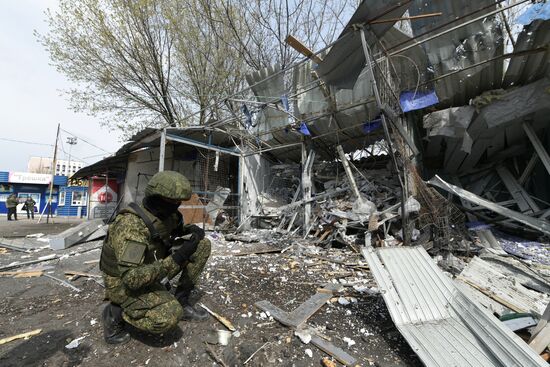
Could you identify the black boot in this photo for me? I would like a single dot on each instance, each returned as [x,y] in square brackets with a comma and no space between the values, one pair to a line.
[190,312]
[113,325]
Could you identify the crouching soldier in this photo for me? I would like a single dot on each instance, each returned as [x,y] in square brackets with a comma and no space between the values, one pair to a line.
[146,246]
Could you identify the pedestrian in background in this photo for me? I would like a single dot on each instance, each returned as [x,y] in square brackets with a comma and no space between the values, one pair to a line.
[29,207]
[11,204]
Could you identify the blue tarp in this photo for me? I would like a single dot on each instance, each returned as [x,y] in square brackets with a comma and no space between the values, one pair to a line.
[411,101]
[534,12]
[303,129]
[370,126]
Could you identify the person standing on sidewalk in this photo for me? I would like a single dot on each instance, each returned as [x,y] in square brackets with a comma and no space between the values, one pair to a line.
[29,206]
[11,204]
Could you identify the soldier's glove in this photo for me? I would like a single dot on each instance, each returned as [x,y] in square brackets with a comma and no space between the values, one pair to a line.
[196,231]
[185,250]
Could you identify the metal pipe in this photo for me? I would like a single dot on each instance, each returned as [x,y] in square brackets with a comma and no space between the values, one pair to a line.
[162,149]
[404,194]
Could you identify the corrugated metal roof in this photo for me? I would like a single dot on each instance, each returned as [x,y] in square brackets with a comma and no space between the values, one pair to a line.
[461,48]
[345,60]
[442,325]
[527,69]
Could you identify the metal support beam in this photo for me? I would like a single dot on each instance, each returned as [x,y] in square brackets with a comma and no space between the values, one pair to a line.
[539,148]
[528,169]
[522,198]
[306,186]
[200,144]
[538,224]
[404,194]
[162,149]
[347,168]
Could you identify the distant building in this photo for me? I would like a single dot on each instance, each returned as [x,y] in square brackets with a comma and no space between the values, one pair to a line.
[68,199]
[44,165]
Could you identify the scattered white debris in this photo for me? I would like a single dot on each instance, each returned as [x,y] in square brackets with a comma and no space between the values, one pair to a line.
[35,235]
[74,343]
[343,301]
[309,353]
[304,335]
[349,342]
[93,322]
[147,361]
[47,257]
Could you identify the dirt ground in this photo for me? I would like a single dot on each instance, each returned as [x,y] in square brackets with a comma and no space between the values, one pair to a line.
[24,226]
[230,286]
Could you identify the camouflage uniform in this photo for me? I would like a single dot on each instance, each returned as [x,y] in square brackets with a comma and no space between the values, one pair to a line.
[134,264]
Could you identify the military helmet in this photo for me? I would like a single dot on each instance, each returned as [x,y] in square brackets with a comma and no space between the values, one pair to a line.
[170,185]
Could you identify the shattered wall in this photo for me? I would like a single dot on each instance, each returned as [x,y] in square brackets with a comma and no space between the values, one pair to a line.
[143,164]
[255,179]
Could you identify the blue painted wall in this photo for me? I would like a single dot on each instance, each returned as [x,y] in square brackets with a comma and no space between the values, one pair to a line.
[60,184]
[66,208]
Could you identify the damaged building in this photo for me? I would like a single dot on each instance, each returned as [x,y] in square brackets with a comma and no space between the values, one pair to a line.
[412,158]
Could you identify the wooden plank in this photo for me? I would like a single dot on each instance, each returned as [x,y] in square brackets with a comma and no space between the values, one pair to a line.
[20,336]
[223,320]
[505,290]
[541,340]
[332,350]
[282,316]
[544,320]
[258,252]
[82,274]
[22,274]
[309,307]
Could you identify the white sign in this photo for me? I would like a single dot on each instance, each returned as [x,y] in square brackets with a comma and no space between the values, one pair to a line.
[29,178]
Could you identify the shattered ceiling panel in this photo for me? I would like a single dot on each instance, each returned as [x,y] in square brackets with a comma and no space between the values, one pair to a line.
[442,325]
[460,48]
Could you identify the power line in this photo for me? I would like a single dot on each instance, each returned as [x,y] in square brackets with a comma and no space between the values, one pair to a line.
[86,141]
[26,142]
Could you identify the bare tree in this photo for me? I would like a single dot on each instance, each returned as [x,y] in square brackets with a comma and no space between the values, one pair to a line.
[152,62]
[211,68]
[120,56]
[258,28]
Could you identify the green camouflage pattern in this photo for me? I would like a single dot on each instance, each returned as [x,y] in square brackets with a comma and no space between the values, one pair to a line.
[12,201]
[146,303]
[169,184]
[191,273]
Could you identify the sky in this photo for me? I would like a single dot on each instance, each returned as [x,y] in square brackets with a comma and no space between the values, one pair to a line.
[31,104]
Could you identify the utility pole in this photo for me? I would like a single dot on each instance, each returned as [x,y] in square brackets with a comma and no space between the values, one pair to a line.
[54,163]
